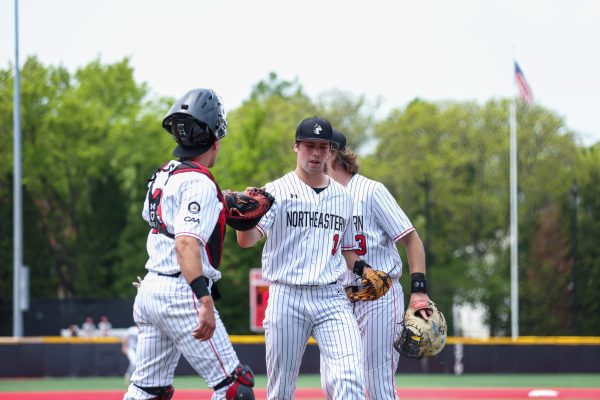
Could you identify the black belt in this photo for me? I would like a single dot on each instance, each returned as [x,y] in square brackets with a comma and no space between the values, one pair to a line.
[326,284]
[175,275]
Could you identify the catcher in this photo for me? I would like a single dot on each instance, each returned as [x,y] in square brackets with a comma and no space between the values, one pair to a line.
[174,306]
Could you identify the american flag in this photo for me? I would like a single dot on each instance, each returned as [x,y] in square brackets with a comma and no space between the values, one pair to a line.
[524,88]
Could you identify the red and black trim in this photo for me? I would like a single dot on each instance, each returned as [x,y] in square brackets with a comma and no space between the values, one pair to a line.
[214,246]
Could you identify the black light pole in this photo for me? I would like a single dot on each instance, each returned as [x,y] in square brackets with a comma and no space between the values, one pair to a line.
[574,257]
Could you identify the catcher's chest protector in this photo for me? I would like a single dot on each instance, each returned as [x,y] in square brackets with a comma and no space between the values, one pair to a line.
[214,246]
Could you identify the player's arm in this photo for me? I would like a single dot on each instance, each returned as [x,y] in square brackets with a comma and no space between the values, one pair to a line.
[197,192]
[248,238]
[415,253]
[188,257]
[398,226]
[352,259]
[125,344]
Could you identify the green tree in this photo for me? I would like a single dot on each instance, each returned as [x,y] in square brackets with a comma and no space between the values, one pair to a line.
[70,126]
[447,164]
[351,114]
[91,139]
[546,300]
[588,256]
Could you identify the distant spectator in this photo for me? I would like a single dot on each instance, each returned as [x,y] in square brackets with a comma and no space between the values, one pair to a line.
[128,347]
[88,328]
[73,331]
[104,326]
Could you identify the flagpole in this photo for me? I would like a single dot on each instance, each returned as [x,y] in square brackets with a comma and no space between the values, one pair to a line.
[514,266]
[526,95]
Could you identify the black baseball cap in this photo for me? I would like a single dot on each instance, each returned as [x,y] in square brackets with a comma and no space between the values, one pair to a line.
[339,139]
[314,128]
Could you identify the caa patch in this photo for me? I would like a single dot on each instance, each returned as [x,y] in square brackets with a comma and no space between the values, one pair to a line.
[194,207]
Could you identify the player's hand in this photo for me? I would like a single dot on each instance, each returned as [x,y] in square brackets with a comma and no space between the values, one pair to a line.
[206,319]
[420,302]
[138,283]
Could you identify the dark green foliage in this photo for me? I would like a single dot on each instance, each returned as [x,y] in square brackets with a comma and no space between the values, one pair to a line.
[587,280]
[91,139]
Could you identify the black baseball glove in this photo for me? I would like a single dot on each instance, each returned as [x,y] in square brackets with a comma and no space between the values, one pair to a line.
[245,209]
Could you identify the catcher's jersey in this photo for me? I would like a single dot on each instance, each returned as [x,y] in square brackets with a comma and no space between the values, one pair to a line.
[306,232]
[378,223]
[189,207]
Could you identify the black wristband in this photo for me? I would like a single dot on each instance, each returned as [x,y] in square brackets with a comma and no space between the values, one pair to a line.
[418,284]
[200,287]
[359,267]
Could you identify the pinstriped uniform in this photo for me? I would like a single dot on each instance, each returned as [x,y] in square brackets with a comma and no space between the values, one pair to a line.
[379,222]
[182,217]
[302,260]
[165,308]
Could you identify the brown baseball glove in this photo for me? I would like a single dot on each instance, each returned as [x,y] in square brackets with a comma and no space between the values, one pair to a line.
[245,209]
[375,285]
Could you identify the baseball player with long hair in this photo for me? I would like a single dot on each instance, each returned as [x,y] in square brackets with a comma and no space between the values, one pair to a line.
[174,309]
[378,224]
[309,244]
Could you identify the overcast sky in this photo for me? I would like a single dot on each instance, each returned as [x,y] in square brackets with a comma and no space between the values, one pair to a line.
[393,49]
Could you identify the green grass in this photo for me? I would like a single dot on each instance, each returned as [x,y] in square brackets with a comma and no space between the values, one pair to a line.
[405,380]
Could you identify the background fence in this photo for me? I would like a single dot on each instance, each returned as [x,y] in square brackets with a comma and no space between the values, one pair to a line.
[57,356]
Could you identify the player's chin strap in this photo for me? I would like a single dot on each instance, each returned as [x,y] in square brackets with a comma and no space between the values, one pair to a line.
[241,381]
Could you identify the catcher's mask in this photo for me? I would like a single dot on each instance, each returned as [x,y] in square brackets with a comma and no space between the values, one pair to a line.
[195,121]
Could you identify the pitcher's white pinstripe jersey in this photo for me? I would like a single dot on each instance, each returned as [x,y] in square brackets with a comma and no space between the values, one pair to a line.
[297,226]
[184,212]
[378,223]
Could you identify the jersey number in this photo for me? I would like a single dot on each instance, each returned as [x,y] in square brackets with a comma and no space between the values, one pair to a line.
[336,239]
[361,240]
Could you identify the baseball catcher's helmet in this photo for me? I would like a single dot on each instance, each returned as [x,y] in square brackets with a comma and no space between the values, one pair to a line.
[196,120]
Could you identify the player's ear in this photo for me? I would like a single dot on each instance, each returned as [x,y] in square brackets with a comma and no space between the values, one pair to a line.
[295,146]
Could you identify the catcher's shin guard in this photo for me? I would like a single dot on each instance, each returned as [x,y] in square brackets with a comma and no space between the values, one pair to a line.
[160,392]
[241,381]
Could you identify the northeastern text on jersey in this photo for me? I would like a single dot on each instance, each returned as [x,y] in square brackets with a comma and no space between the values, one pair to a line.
[315,219]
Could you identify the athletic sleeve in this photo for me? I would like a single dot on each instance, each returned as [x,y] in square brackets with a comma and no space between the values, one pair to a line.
[389,214]
[146,211]
[146,208]
[199,208]
[267,220]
